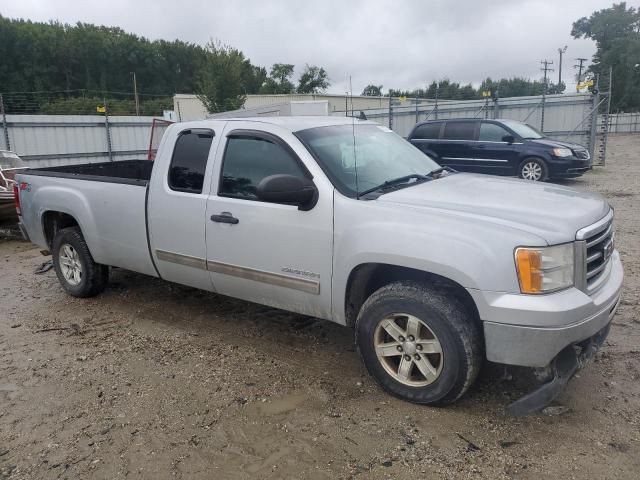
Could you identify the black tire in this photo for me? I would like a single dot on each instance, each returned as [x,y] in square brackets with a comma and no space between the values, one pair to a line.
[94,277]
[527,162]
[453,326]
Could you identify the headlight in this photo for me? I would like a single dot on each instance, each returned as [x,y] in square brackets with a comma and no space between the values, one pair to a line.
[562,152]
[545,269]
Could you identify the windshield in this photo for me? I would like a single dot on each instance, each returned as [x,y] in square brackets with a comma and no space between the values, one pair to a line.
[380,156]
[523,130]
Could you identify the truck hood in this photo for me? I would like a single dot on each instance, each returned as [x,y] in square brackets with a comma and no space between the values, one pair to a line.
[552,212]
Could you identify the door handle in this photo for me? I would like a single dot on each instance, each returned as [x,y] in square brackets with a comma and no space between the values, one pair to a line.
[225,217]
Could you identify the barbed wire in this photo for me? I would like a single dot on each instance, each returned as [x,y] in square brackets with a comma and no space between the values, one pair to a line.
[84,102]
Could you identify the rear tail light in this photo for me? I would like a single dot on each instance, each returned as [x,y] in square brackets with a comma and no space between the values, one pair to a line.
[16,197]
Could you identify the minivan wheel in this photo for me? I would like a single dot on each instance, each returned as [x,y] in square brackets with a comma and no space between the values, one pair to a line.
[533,169]
[75,268]
[419,343]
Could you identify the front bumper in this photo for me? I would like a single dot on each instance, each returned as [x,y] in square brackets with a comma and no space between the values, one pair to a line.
[530,330]
[568,167]
[572,172]
[562,368]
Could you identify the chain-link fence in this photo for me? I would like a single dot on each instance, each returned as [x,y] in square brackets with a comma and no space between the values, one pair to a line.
[77,129]
[568,117]
[622,123]
[84,102]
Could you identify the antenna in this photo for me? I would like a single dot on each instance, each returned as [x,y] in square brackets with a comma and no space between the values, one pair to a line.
[353,132]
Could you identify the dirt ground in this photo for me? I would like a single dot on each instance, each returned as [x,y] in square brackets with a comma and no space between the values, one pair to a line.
[154,380]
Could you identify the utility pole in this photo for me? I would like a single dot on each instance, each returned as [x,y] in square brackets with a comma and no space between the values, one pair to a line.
[545,68]
[135,94]
[561,51]
[579,67]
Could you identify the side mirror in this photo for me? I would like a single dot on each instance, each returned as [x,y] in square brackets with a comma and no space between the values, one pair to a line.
[508,139]
[290,189]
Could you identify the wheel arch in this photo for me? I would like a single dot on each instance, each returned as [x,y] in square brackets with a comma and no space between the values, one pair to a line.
[366,278]
[532,156]
[52,221]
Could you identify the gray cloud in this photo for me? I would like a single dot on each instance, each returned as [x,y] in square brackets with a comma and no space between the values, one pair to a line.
[399,44]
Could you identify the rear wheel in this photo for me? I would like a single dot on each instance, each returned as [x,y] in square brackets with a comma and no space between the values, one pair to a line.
[419,343]
[77,272]
[533,169]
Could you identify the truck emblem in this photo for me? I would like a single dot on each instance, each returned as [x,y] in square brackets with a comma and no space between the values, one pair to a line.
[304,273]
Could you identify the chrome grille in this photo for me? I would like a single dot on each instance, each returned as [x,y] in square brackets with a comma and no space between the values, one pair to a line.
[596,244]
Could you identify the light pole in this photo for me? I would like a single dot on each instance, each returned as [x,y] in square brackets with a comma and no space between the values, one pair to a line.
[561,51]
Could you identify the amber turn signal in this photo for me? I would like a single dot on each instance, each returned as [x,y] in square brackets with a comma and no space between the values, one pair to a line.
[529,263]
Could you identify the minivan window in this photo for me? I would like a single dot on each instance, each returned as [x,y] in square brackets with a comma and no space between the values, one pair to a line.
[459,130]
[189,160]
[490,132]
[524,130]
[247,160]
[427,131]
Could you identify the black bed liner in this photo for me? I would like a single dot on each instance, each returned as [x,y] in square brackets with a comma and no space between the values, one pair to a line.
[131,172]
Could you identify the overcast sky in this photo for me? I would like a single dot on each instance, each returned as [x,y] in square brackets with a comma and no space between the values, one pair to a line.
[399,44]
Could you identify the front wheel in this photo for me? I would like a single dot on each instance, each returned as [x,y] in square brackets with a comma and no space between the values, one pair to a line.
[533,169]
[419,343]
[77,272]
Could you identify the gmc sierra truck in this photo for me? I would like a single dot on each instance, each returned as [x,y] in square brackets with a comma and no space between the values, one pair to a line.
[343,220]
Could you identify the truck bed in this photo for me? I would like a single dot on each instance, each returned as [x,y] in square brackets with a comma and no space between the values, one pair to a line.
[107,200]
[131,172]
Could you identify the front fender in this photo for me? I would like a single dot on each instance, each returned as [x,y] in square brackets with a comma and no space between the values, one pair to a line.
[475,254]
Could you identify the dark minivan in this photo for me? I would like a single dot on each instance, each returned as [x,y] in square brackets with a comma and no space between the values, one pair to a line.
[499,147]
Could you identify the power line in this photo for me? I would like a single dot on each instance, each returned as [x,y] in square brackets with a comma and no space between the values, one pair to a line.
[545,68]
[579,67]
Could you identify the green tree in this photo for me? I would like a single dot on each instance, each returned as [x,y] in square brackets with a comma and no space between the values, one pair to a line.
[279,79]
[85,60]
[372,90]
[220,86]
[519,87]
[444,89]
[616,31]
[313,80]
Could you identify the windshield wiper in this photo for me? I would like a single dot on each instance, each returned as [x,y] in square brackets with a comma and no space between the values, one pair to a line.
[396,181]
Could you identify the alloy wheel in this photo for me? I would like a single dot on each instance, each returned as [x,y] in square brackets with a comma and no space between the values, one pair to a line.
[532,171]
[70,265]
[408,350]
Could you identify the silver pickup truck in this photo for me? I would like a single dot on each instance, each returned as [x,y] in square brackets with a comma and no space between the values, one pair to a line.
[343,220]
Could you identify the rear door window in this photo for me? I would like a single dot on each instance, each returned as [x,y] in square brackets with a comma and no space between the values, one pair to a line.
[459,130]
[491,132]
[427,131]
[189,160]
